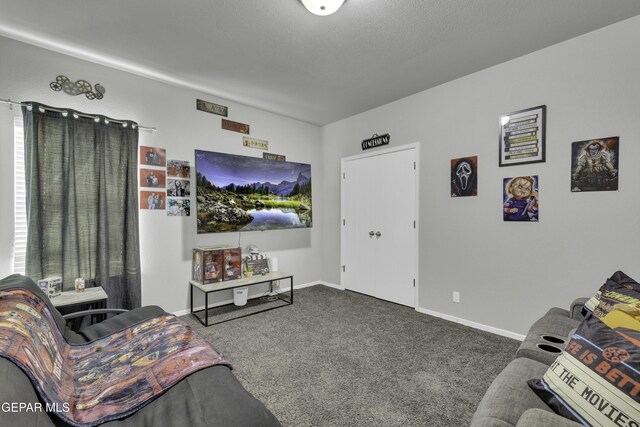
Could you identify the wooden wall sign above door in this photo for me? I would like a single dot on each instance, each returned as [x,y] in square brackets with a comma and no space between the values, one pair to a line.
[376,141]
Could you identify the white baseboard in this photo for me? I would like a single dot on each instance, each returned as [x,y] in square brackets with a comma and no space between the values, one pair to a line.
[319,282]
[448,317]
[282,290]
[475,325]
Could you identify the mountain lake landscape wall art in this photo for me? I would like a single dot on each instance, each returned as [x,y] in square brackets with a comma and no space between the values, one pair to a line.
[241,193]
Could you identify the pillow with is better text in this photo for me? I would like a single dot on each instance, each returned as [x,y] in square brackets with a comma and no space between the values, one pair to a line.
[596,380]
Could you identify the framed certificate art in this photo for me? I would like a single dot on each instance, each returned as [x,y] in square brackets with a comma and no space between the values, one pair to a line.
[522,136]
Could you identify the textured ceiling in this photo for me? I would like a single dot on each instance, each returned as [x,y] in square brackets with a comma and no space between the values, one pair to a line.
[277,56]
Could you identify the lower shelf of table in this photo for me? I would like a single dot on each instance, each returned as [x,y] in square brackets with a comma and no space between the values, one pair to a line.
[228,312]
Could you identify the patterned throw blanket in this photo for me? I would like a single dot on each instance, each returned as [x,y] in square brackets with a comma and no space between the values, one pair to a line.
[105,379]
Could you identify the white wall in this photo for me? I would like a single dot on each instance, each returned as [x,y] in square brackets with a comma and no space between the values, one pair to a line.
[509,274]
[166,242]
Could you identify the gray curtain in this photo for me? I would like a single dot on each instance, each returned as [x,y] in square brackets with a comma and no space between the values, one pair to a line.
[82,202]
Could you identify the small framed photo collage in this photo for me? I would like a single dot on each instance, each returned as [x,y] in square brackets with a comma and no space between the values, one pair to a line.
[164,184]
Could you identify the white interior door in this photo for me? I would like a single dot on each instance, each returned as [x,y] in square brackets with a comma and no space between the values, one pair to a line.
[358,226]
[379,231]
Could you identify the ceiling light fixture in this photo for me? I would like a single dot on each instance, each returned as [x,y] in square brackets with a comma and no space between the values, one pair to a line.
[322,7]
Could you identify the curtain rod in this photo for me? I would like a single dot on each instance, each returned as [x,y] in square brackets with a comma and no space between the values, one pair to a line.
[23,104]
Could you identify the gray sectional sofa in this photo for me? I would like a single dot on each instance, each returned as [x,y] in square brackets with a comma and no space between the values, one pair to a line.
[509,401]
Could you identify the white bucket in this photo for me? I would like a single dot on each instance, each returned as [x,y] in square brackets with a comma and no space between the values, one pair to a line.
[240,296]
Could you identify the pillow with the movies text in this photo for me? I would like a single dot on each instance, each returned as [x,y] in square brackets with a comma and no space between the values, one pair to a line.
[620,288]
[596,380]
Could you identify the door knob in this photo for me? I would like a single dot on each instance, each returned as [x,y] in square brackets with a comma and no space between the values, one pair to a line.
[371,233]
[378,234]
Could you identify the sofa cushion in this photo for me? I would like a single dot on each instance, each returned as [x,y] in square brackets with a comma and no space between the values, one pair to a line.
[208,398]
[16,389]
[509,396]
[596,380]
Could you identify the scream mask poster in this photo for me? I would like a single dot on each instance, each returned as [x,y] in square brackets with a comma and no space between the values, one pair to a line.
[464,176]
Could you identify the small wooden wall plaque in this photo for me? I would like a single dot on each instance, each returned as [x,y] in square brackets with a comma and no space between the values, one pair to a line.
[235,126]
[255,143]
[210,107]
[276,157]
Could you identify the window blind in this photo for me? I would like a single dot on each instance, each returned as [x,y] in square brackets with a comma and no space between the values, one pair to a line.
[19,203]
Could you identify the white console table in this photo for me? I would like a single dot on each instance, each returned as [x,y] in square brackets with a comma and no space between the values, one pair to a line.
[238,283]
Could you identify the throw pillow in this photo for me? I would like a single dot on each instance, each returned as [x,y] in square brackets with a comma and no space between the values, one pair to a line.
[596,380]
[593,302]
[620,288]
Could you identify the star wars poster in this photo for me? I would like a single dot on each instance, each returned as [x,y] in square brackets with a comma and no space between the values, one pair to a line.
[594,164]
[520,199]
[464,176]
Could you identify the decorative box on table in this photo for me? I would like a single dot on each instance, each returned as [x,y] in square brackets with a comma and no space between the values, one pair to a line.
[51,286]
[232,263]
[215,264]
[207,265]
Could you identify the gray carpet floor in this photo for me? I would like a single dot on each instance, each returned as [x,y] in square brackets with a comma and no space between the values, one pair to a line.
[339,358]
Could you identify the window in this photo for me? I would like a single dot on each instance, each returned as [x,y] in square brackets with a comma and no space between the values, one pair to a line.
[19,203]
[81,182]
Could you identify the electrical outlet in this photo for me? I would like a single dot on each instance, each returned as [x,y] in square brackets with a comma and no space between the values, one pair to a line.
[456,296]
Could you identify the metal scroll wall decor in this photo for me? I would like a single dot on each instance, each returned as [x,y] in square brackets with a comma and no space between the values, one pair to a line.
[80,87]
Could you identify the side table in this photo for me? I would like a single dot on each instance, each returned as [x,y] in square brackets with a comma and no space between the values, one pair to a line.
[72,301]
